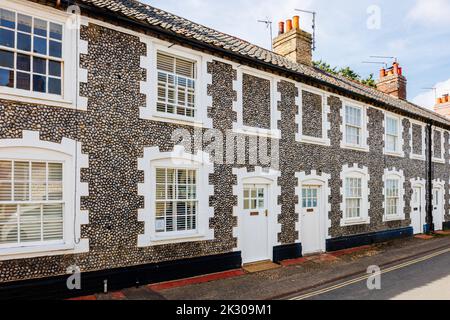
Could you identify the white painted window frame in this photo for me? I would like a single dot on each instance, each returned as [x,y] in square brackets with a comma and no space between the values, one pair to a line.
[275,115]
[69,87]
[399,152]
[300,137]
[398,175]
[363,174]
[178,159]
[440,159]
[31,148]
[150,87]
[414,156]
[363,146]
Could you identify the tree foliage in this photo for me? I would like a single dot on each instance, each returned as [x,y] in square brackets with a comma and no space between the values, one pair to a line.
[346,72]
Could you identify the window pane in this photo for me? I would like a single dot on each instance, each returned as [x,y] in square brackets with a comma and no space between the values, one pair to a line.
[8,224]
[5,170]
[40,27]
[30,223]
[165,63]
[391,126]
[23,42]
[7,19]
[6,78]
[23,81]
[53,222]
[55,31]
[23,62]
[6,59]
[24,23]
[54,86]
[55,49]
[39,65]
[7,38]
[54,68]
[40,45]
[38,178]
[39,83]
[55,172]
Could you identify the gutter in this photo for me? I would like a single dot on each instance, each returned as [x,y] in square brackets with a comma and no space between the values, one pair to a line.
[205,46]
[429,177]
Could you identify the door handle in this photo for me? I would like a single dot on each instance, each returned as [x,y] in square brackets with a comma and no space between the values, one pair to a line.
[267,213]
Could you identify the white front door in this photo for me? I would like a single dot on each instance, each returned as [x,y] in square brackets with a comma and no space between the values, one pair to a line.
[438,208]
[312,240]
[255,224]
[417,214]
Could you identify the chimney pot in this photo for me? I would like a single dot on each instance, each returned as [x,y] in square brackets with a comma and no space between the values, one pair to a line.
[296,22]
[280,28]
[393,82]
[294,44]
[438,101]
[288,25]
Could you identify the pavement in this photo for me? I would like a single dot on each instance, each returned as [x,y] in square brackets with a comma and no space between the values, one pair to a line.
[304,275]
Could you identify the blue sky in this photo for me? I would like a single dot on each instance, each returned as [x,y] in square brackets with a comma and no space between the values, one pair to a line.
[415,31]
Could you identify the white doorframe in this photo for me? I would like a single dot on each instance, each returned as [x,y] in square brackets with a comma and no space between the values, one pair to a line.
[259,176]
[320,181]
[439,185]
[419,183]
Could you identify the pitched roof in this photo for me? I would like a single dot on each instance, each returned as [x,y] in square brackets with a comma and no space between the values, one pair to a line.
[185,28]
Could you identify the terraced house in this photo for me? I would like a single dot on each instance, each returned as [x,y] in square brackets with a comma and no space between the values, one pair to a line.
[92,179]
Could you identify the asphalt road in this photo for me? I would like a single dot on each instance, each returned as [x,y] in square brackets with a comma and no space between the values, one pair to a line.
[422,279]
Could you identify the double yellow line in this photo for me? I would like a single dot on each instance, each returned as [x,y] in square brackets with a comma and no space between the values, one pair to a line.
[365,277]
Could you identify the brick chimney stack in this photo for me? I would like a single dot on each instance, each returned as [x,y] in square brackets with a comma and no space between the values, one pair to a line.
[393,82]
[443,106]
[293,43]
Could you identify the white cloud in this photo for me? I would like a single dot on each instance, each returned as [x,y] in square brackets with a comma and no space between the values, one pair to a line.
[430,12]
[428,99]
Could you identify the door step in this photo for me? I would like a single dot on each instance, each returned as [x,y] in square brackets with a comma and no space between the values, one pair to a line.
[260,266]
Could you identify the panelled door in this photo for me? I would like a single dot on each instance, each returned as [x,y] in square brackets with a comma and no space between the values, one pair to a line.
[255,223]
[310,220]
[438,208]
[417,214]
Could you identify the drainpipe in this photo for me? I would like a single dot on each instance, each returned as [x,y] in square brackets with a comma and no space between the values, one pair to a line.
[429,165]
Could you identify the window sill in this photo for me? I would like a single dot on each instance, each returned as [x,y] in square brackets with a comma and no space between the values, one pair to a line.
[313,140]
[253,131]
[356,222]
[417,157]
[394,154]
[44,99]
[437,160]
[355,147]
[177,238]
[185,121]
[393,218]
[11,253]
